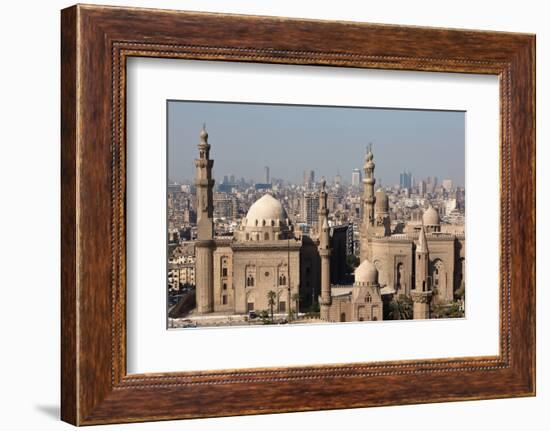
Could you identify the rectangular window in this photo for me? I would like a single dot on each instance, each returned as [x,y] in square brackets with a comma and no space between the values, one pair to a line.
[224,299]
[224,272]
[250,306]
[282,306]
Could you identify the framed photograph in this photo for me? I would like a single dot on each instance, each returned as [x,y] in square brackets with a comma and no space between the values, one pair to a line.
[258,208]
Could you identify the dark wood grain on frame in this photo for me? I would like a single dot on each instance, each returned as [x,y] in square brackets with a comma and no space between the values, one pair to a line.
[95,42]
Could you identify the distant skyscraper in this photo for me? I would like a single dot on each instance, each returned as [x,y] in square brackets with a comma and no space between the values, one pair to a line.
[309,178]
[447,184]
[431,184]
[338,179]
[310,206]
[356,177]
[223,205]
[405,180]
[267,179]
[421,188]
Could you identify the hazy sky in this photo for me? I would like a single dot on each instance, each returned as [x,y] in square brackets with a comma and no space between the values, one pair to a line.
[292,138]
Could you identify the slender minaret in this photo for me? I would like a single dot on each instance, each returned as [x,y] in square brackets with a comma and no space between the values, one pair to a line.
[204,246]
[324,252]
[368,204]
[368,194]
[422,292]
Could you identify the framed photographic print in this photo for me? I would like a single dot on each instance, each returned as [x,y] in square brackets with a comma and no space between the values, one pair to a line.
[278,207]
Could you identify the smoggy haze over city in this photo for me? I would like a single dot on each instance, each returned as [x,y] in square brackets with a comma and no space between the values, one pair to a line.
[329,140]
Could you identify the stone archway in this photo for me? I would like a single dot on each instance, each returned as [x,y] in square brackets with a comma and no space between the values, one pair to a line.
[250,302]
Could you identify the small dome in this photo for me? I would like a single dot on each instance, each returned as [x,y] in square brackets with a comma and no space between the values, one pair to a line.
[264,211]
[381,200]
[430,217]
[366,273]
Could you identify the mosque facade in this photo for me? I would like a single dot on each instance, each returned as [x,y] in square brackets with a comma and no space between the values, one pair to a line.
[268,263]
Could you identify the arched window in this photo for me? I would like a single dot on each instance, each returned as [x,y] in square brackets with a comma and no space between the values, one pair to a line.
[250,281]
[368,298]
[282,280]
[399,276]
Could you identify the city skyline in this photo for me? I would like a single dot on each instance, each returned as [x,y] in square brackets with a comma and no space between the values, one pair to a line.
[262,254]
[291,139]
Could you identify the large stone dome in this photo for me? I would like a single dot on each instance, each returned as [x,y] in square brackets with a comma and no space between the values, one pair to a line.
[266,211]
[266,220]
[366,273]
[430,217]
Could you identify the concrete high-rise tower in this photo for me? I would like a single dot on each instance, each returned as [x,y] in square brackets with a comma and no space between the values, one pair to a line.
[204,246]
[309,178]
[356,178]
[324,252]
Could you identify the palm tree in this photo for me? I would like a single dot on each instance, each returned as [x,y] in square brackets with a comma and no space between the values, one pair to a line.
[271,296]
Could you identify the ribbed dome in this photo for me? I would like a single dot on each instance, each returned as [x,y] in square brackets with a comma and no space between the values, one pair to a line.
[381,200]
[366,273]
[430,217]
[264,211]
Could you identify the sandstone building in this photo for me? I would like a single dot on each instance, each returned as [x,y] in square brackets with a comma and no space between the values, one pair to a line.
[266,253]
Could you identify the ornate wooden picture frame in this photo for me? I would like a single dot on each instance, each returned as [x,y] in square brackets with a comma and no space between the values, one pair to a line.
[96,42]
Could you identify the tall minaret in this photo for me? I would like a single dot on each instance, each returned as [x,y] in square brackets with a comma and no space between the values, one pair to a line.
[324,252]
[422,292]
[204,246]
[368,203]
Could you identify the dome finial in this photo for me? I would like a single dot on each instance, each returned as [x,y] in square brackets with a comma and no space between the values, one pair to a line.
[204,133]
[369,156]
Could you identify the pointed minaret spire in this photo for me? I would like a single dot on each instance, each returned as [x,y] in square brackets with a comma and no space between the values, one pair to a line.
[422,241]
